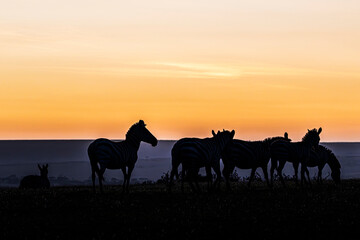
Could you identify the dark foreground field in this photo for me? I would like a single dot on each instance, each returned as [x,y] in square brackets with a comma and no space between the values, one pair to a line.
[149,212]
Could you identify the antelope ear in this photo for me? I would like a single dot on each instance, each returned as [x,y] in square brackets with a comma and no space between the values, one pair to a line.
[213,133]
[319,131]
[286,135]
[39,167]
[47,165]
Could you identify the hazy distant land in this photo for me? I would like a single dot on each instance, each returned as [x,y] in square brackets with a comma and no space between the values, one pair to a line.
[69,163]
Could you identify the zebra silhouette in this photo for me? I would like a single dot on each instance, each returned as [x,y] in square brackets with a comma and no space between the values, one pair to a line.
[194,153]
[321,156]
[248,155]
[295,152]
[118,155]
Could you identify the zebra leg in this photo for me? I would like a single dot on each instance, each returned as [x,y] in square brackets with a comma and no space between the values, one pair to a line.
[101,174]
[171,179]
[226,172]
[320,176]
[196,178]
[272,169]
[308,175]
[209,178]
[279,170]
[182,179]
[93,178]
[125,178]
[130,169]
[303,170]
[218,178]
[296,170]
[264,168]
[253,170]
[216,168]
[174,172]
[190,177]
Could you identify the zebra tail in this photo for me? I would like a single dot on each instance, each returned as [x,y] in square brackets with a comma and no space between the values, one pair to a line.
[175,164]
[94,165]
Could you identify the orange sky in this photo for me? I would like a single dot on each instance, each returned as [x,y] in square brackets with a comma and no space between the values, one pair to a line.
[89,69]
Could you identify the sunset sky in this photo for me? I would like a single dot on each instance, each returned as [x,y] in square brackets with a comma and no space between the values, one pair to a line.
[84,69]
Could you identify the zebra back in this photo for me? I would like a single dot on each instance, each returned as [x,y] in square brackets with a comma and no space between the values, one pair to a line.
[204,151]
[247,154]
[295,151]
[112,154]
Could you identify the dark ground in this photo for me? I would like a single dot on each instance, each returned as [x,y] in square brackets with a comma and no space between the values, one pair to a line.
[149,212]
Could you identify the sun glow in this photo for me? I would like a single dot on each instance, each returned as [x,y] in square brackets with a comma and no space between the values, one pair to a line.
[88,69]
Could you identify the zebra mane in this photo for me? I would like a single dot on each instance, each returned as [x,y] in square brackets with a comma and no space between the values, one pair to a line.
[310,134]
[272,139]
[134,127]
[325,149]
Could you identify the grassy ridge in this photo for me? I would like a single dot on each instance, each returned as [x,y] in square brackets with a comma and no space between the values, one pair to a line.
[325,211]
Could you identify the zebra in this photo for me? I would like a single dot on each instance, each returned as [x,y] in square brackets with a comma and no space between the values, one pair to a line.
[295,152]
[248,154]
[321,156]
[194,153]
[118,155]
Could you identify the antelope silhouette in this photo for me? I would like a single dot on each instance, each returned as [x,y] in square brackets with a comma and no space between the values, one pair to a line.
[34,181]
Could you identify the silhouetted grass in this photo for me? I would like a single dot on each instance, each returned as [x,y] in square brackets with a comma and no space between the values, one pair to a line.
[149,211]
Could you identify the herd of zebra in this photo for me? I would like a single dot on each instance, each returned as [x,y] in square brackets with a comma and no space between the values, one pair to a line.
[195,153]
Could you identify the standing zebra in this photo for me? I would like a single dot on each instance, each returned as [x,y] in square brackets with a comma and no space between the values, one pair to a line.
[118,155]
[321,156]
[246,155]
[295,152]
[194,153]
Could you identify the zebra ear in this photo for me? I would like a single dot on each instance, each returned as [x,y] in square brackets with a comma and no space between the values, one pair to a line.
[286,135]
[213,133]
[319,131]
[218,132]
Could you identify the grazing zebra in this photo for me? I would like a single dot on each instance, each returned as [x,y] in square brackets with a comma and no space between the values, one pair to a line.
[194,153]
[295,152]
[118,155]
[321,156]
[246,155]
[33,181]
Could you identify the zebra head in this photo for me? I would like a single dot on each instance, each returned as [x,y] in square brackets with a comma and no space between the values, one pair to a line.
[312,137]
[335,166]
[139,132]
[222,138]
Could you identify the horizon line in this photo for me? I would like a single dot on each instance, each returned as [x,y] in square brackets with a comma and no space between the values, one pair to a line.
[121,139]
